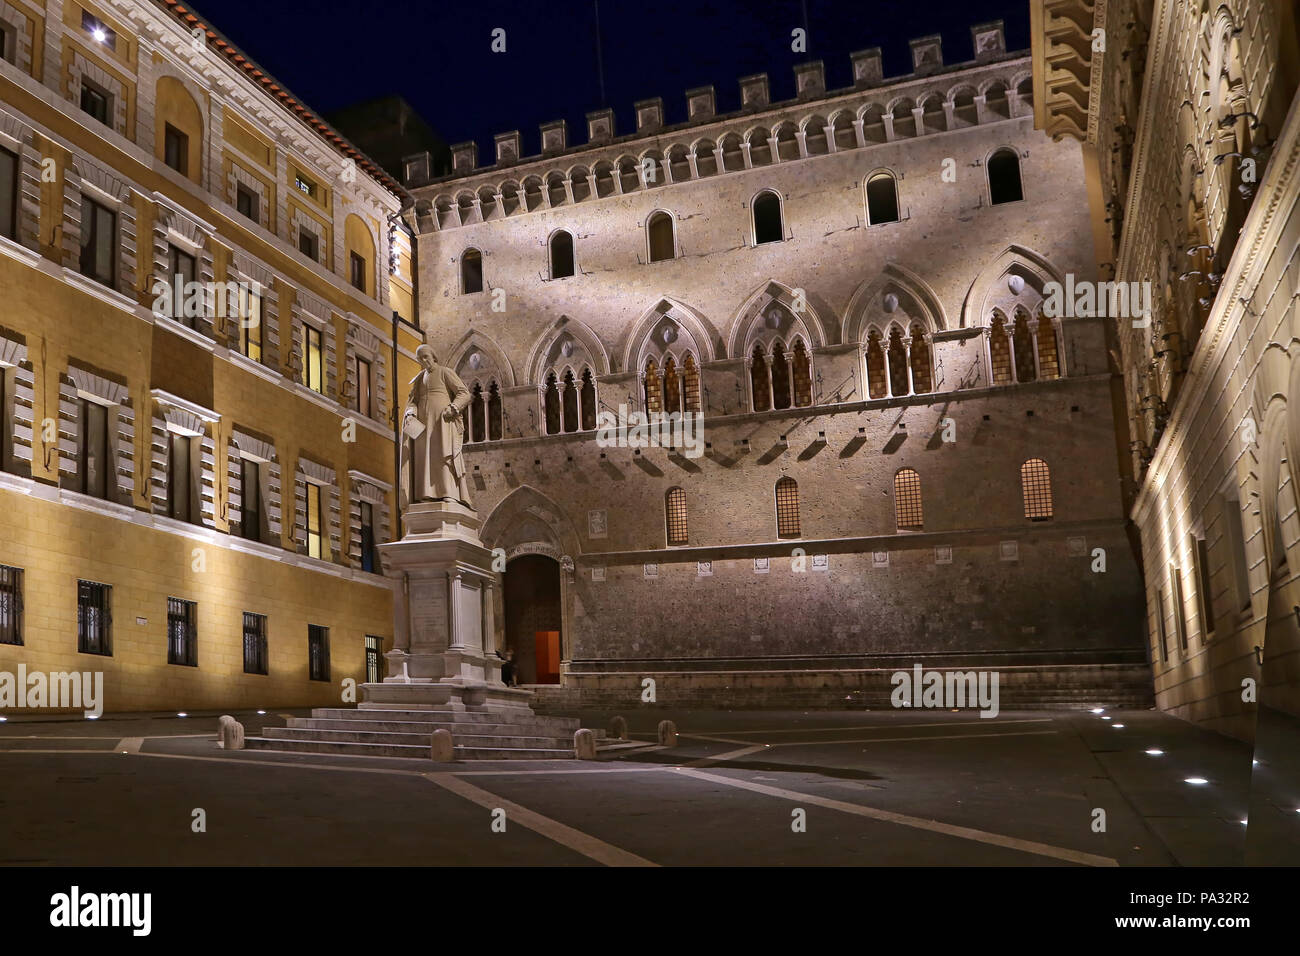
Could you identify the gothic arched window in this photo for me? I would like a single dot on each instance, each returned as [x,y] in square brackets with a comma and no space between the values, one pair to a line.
[787,508]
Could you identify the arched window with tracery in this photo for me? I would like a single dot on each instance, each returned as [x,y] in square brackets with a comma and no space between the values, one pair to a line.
[1036,487]
[1023,345]
[877,386]
[787,508]
[897,363]
[672,387]
[922,368]
[570,403]
[675,525]
[801,373]
[760,380]
[551,405]
[1000,351]
[1049,363]
[691,383]
[587,400]
[907,500]
[780,378]
[494,413]
[654,388]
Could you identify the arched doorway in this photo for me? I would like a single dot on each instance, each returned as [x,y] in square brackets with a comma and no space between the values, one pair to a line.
[533,618]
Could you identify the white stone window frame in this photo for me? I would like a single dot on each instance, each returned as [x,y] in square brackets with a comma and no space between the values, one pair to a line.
[309,472]
[191,420]
[578,364]
[909,342]
[15,136]
[88,177]
[308,310]
[313,225]
[373,491]
[677,244]
[17,21]
[362,342]
[753,224]
[173,226]
[898,196]
[82,69]
[245,446]
[240,177]
[20,382]
[767,341]
[660,358]
[115,398]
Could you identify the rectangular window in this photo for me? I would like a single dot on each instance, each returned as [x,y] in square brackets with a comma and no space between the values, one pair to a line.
[182,632]
[94,462]
[1235,540]
[318,651]
[181,268]
[98,242]
[312,372]
[314,540]
[176,149]
[254,643]
[11,605]
[98,31]
[246,203]
[250,324]
[178,479]
[6,42]
[304,185]
[369,557]
[308,244]
[358,272]
[1180,608]
[94,618]
[362,369]
[374,669]
[1204,596]
[1161,630]
[8,194]
[96,102]
[250,490]
[6,430]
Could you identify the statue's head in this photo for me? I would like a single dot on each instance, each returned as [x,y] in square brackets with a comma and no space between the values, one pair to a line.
[427,357]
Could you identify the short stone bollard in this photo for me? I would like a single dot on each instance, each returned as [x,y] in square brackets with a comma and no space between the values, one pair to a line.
[230,734]
[584,744]
[618,728]
[442,749]
[667,733]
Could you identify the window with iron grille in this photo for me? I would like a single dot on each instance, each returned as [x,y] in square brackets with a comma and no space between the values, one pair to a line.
[254,643]
[182,632]
[94,618]
[176,149]
[1036,483]
[318,652]
[907,500]
[374,670]
[11,605]
[787,508]
[675,516]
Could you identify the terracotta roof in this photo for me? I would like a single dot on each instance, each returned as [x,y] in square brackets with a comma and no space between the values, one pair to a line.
[287,99]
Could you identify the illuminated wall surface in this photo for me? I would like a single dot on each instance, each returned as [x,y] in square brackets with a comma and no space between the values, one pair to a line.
[167,453]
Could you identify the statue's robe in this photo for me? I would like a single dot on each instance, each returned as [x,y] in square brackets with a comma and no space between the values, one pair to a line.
[433,466]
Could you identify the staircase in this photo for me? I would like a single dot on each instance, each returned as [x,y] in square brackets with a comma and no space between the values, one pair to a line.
[409,733]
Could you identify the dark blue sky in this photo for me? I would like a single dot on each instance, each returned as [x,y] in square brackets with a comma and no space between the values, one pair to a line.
[438,55]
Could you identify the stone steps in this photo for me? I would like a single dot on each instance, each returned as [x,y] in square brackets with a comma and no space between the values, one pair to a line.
[515,741]
[508,734]
[421,751]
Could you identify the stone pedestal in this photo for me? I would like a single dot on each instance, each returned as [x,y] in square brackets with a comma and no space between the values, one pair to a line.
[442,656]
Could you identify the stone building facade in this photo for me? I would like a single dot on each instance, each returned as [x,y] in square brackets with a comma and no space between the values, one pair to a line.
[903,458]
[1189,120]
[189,499]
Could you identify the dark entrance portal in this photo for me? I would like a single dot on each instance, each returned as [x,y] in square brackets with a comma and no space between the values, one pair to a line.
[532,606]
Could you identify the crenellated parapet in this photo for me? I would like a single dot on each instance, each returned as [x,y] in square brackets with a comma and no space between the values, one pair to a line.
[933,98]
[810,87]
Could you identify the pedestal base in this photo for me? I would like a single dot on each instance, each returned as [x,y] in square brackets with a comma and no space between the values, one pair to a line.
[451,695]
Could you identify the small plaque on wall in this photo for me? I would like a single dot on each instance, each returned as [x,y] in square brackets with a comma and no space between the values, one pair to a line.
[821,562]
[704,569]
[1009,550]
[943,555]
[598,574]
[1076,547]
[880,559]
[597,523]
[649,571]
[762,565]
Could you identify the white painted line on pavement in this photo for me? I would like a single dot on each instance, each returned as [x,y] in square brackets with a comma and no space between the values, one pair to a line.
[566,836]
[919,823]
[130,745]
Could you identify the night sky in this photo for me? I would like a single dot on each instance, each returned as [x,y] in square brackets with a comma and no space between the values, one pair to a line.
[438,55]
